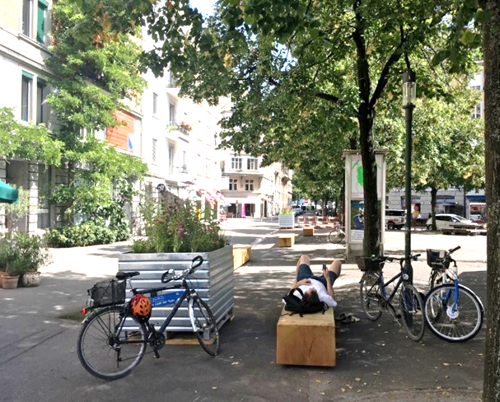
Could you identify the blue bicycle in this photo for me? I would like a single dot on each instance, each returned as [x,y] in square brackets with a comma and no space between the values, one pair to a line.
[453,312]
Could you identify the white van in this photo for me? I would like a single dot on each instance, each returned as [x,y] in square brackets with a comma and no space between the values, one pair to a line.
[395,218]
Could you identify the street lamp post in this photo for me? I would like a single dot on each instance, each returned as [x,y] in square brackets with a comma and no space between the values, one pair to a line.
[409,95]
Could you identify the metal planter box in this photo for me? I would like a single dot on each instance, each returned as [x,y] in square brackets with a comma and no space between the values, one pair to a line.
[286,221]
[214,281]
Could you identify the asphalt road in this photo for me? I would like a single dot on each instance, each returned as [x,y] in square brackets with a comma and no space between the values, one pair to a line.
[38,359]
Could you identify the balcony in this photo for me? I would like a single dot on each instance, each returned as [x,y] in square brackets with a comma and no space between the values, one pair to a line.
[182,127]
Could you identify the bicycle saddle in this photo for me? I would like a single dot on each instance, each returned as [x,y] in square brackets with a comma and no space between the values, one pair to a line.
[124,275]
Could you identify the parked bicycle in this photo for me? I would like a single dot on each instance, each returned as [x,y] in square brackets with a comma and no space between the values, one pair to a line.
[336,235]
[375,298]
[453,312]
[114,337]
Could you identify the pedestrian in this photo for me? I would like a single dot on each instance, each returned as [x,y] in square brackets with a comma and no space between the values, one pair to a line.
[316,288]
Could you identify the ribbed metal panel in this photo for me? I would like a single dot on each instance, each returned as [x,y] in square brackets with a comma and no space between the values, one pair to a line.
[213,280]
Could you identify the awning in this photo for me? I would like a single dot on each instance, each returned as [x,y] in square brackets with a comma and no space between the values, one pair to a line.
[8,194]
[210,199]
[243,200]
[478,198]
[219,197]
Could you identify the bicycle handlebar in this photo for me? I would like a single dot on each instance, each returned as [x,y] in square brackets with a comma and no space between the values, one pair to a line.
[451,251]
[392,259]
[195,263]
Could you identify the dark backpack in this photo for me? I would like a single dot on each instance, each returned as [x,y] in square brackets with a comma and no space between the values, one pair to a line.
[300,306]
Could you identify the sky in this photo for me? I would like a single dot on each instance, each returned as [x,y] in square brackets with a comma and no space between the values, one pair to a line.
[204,6]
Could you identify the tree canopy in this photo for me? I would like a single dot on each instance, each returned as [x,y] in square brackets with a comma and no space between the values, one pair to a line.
[97,74]
[284,63]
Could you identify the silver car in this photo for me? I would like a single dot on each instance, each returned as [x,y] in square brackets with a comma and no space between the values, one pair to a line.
[451,223]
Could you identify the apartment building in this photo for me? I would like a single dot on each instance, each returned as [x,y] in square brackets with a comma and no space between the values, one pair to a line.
[180,139]
[253,190]
[24,40]
[175,137]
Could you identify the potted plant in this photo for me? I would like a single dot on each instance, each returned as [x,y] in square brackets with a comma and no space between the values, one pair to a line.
[22,255]
[286,218]
[174,232]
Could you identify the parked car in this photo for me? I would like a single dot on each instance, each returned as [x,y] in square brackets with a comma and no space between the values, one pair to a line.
[451,223]
[395,218]
[297,211]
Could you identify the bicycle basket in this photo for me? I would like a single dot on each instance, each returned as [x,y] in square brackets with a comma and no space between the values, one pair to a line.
[106,293]
[369,264]
[435,257]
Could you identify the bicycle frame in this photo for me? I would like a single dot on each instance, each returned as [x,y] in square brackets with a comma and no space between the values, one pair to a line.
[383,285]
[187,293]
[450,273]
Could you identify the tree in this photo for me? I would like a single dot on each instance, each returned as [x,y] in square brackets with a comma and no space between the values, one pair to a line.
[27,141]
[491,51]
[16,211]
[478,24]
[344,56]
[448,144]
[96,74]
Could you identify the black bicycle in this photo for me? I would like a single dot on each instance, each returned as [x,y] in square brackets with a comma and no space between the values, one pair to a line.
[375,298]
[113,340]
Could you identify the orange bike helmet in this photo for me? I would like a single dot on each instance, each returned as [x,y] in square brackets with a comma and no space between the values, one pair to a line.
[141,306]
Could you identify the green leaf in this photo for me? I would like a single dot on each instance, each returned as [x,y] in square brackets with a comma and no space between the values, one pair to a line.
[440,56]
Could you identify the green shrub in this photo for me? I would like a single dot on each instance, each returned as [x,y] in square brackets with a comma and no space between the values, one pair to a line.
[86,234]
[22,253]
[178,226]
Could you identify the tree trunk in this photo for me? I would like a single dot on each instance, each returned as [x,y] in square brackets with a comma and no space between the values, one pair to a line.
[491,51]
[434,192]
[371,239]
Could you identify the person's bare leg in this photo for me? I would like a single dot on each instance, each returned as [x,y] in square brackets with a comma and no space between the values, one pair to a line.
[304,259]
[335,266]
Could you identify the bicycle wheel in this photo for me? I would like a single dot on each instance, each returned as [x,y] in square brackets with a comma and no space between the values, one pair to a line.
[412,311]
[205,326]
[335,236]
[370,294]
[103,352]
[461,315]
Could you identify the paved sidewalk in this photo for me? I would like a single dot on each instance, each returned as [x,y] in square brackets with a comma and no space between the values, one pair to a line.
[375,360]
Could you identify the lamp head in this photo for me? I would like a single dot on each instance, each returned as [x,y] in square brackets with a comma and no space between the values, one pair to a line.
[409,89]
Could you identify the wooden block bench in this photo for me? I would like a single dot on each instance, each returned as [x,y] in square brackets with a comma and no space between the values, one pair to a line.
[287,240]
[241,255]
[308,231]
[306,341]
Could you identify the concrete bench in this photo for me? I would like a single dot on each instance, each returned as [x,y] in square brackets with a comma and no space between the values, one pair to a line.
[287,240]
[306,341]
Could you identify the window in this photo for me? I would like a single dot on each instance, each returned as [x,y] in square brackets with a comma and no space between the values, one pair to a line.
[171,114]
[252,163]
[477,112]
[155,103]
[236,163]
[153,150]
[42,15]
[233,184]
[249,185]
[184,166]
[170,159]
[26,89]
[41,95]
[27,7]
[43,193]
